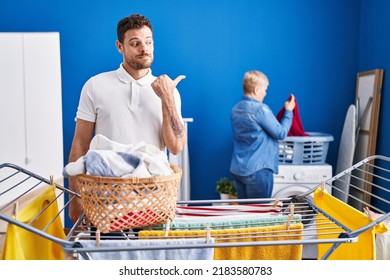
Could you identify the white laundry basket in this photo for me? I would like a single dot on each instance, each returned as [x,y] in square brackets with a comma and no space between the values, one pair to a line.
[311,149]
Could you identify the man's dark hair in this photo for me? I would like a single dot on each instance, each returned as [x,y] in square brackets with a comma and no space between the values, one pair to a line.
[135,21]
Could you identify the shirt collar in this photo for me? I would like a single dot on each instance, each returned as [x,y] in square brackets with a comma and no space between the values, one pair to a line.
[128,79]
[245,97]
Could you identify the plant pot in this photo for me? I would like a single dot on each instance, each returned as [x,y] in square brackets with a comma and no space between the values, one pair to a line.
[225,196]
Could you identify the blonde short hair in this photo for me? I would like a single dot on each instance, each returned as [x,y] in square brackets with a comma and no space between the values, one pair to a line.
[252,79]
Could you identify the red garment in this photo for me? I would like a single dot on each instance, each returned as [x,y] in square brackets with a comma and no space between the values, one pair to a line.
[296,126]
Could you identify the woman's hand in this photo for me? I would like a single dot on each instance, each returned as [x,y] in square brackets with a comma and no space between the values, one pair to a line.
[290,103]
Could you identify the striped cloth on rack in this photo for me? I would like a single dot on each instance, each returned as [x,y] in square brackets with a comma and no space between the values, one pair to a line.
[230,221]
[207,211]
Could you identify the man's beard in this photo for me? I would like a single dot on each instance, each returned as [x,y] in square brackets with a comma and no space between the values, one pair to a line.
[135,64]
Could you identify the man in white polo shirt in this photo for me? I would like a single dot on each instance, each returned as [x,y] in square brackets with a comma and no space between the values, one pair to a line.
[129,105]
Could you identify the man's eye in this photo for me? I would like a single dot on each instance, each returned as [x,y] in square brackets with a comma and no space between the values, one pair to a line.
[134,44]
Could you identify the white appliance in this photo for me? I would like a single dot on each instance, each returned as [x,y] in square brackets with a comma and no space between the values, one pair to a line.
[297,179]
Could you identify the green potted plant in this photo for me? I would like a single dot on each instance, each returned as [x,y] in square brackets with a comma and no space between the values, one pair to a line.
[226,188]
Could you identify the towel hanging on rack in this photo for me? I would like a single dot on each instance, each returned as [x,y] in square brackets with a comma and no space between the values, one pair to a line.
[364,248]
[256,234]
[160,254]
[21,244]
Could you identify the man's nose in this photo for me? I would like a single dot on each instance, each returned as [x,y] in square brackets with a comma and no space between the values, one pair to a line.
[144,47]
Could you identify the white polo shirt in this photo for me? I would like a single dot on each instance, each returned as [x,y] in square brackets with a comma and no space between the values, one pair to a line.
[124,110]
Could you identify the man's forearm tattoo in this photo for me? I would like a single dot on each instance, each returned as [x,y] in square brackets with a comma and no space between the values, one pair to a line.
[174,120]
[177,127]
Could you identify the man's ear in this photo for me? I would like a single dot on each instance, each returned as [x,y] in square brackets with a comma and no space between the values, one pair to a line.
[119,46]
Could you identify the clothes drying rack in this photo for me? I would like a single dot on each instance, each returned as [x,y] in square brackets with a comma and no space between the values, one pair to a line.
[369,192]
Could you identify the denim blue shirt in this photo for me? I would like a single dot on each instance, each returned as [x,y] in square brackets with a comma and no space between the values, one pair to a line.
[256,132]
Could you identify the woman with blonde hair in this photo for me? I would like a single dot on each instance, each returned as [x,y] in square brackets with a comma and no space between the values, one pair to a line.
[256,132]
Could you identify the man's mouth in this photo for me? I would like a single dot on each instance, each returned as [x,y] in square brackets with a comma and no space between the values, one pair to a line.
[143,56]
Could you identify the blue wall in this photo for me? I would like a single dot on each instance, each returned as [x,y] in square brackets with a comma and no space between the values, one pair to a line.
[311,48]
[374,53]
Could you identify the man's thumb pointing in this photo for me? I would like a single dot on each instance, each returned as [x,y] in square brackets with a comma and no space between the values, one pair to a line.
[178,79]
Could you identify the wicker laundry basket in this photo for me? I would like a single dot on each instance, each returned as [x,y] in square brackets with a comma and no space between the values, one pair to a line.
[113,204]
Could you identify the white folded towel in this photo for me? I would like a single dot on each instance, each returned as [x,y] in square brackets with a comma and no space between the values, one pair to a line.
[112,159]
[109,163]
[103,163]
[156,161]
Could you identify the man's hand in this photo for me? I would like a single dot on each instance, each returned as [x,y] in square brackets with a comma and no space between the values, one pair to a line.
[164,86]
[178,79]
